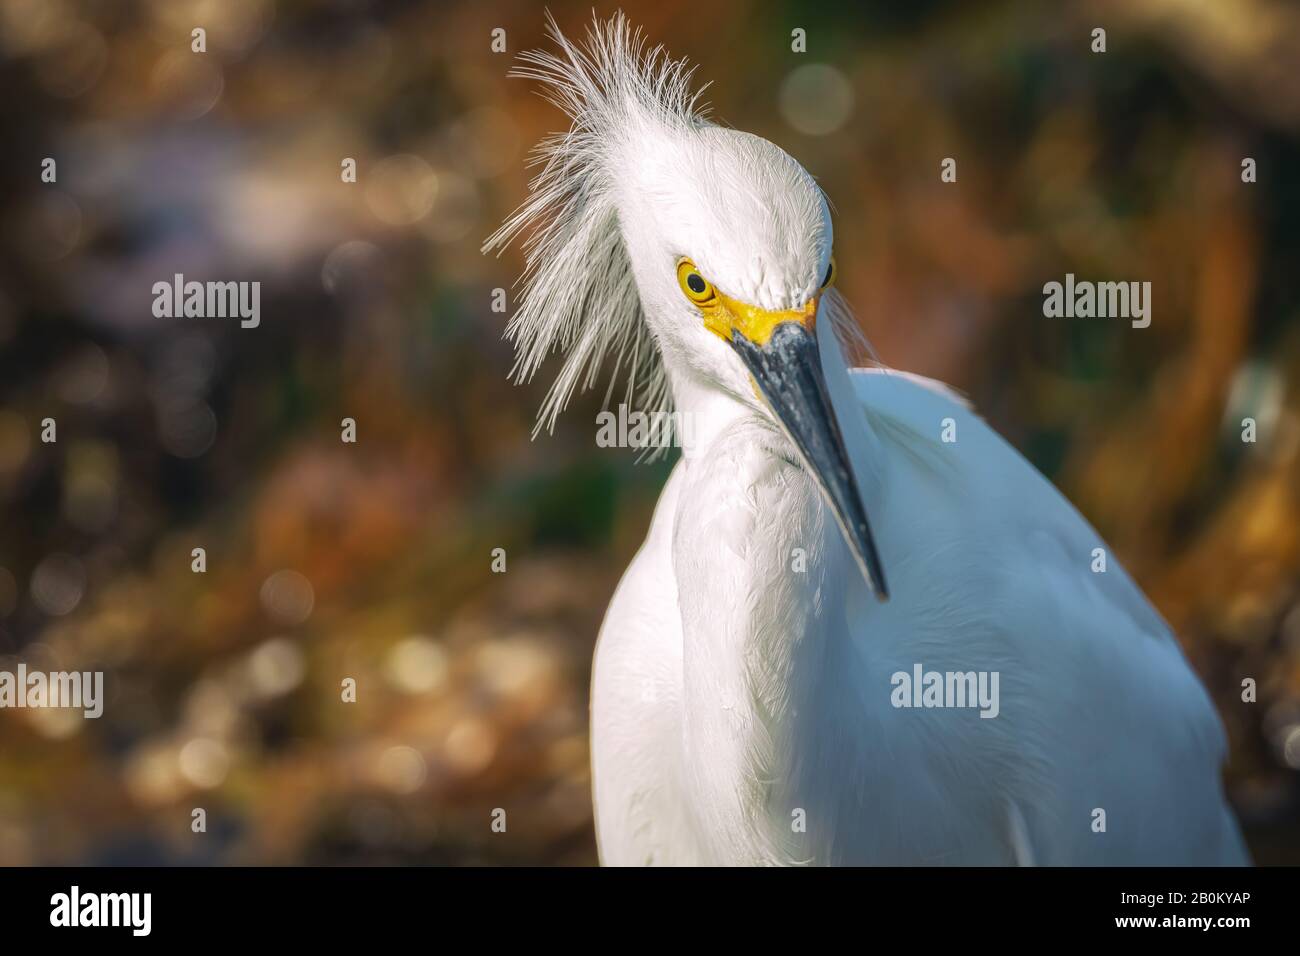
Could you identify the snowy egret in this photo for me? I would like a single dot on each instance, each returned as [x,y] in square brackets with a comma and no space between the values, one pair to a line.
[862,628]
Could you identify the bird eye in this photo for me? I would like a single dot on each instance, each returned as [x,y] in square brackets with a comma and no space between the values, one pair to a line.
[697,288]
[830,273]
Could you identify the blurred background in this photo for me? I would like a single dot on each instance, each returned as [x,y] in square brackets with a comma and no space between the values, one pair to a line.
[372,560]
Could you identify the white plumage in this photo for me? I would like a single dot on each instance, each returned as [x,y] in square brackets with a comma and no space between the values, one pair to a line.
[744,690]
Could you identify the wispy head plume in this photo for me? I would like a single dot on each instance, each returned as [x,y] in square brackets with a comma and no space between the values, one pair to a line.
[579,296]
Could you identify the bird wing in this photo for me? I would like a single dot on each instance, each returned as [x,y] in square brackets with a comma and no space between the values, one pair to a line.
[994,570]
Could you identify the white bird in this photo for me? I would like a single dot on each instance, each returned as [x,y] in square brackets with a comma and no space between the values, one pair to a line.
[752,698]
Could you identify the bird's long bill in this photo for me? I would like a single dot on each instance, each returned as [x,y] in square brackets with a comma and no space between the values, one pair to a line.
[788,371]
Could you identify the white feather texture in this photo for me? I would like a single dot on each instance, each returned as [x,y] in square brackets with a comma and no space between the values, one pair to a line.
[742,706]
[579,295]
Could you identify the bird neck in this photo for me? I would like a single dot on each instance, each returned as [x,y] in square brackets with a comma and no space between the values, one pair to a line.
[762,577]
[704,412]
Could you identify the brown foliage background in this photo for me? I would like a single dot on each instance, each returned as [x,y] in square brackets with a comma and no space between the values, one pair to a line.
[372,561]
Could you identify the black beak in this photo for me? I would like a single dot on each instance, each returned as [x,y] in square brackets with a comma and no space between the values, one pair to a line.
[788,371]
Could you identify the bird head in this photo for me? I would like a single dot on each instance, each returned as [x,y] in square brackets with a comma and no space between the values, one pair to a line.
[686,251]
[730,243]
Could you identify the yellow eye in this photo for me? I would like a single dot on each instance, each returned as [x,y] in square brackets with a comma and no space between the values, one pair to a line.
[697,288]
[830,274]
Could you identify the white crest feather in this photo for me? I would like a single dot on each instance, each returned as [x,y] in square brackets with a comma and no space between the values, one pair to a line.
[579,295]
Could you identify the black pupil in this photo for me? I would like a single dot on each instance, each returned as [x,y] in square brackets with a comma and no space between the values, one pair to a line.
[696,283]
[829,269]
